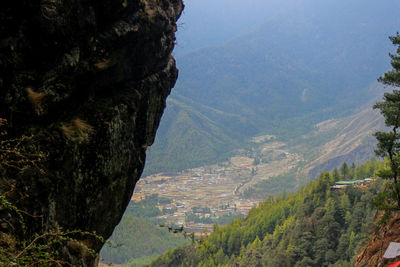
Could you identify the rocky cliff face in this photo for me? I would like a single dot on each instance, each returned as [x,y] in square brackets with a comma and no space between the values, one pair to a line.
[372,254]
[83,85]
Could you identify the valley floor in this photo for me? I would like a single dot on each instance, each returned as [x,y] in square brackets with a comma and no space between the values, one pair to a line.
[218,187]
[230,188]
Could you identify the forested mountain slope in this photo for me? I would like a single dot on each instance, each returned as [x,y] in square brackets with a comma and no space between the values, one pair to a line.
[313,227]
[310,63]
[193,134]
[137,240]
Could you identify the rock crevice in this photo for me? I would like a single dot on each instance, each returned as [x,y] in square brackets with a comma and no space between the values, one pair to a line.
[87,81]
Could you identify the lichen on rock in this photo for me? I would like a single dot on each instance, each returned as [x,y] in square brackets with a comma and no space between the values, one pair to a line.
[88,80]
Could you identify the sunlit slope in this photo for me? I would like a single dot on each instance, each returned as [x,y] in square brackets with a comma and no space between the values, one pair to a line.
[354,143]
[352,138]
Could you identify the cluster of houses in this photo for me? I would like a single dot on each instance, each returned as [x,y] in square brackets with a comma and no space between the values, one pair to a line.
[354,183]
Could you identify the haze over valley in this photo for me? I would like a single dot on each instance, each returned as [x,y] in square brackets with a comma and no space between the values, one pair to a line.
[290,72]
[269,95]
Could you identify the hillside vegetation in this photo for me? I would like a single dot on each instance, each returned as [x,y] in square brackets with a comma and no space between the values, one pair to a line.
[136,241]
[313,227]
[192,134]
[138,238]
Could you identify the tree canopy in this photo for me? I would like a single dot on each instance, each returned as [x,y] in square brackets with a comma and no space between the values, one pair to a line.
[313,227]
[389,142]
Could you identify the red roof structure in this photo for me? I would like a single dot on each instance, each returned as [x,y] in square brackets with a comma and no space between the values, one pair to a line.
[396,264]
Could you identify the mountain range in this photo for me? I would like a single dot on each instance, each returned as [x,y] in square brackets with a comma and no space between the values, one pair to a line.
[307,63]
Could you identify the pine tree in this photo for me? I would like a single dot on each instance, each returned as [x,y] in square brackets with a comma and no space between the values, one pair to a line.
[335,174]
[389,142]
[352,170]
[344,170]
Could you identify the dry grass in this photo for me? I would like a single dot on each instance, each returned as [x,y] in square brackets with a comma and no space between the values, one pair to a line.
[104,64]
[374,248]
[36,100]
[77,130]
[151,9]
[3,121]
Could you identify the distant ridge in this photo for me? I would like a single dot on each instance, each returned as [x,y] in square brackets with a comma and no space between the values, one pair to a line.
[296,70]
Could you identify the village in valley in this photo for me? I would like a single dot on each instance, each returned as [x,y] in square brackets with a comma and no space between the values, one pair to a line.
[204,192]
[197,198]
[205,195]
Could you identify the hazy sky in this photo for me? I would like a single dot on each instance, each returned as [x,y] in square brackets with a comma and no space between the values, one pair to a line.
[214,22]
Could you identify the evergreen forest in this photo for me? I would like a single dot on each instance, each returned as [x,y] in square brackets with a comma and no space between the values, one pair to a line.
[312,227]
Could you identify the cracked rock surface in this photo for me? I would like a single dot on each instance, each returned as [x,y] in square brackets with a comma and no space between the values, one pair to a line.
[87,81]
